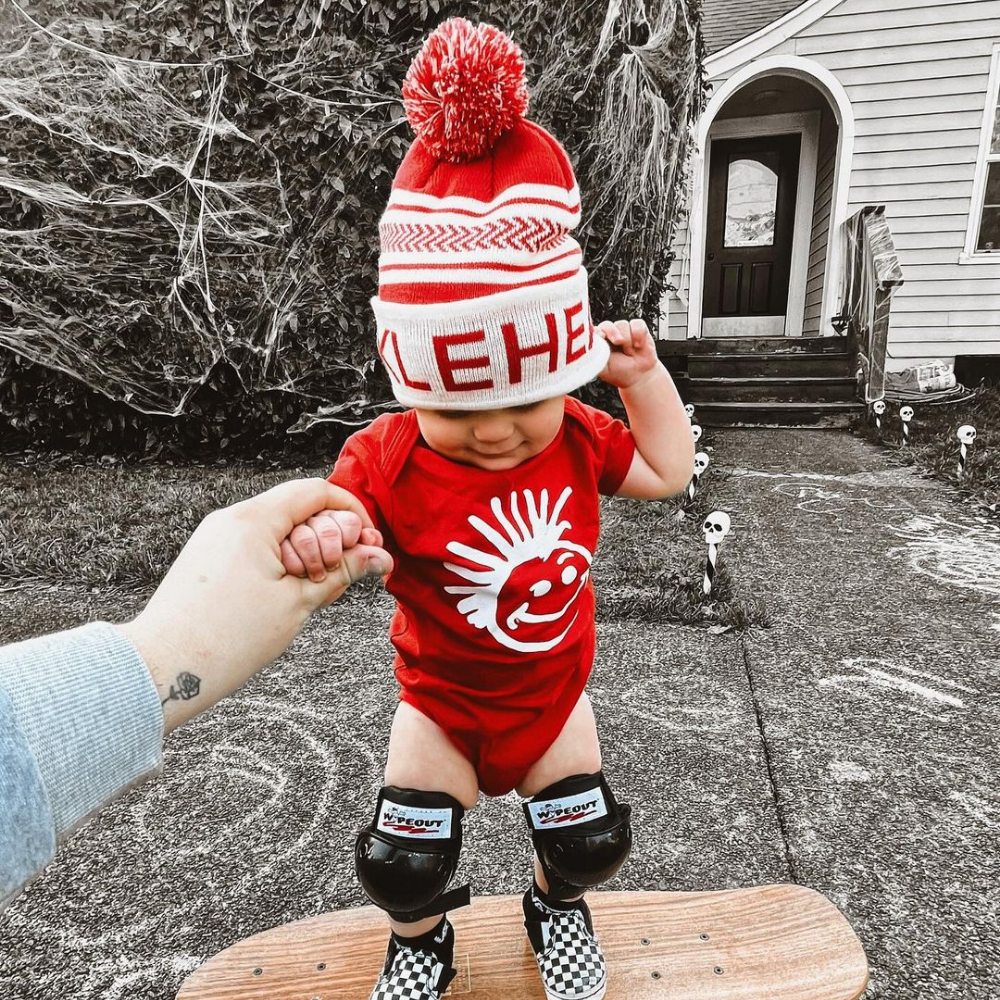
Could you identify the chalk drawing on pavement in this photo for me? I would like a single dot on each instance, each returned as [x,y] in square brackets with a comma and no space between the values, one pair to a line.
[892,479]
[847,771]
[872,676]
[978,807]
[670,702]
[958,554]
[821,500]
[263,788]
[128,976]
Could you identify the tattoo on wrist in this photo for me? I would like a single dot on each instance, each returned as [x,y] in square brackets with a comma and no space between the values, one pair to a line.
[188,687]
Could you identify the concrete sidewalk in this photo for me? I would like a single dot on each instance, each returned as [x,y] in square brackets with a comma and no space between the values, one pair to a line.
[877,694]
[851,747]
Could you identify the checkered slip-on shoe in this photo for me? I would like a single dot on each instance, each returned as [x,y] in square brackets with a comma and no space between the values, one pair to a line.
[569,958]
[412,974]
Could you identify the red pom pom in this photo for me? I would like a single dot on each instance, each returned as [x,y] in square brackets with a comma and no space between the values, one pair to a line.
[465,89]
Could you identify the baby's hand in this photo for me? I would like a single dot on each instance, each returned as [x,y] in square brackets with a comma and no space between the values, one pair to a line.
[633,354]
[316,545]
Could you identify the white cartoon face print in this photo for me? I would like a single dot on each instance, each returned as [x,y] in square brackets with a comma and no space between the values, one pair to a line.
[524,585]
[542,590]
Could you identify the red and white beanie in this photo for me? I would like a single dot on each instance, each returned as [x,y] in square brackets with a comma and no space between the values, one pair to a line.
[482,299]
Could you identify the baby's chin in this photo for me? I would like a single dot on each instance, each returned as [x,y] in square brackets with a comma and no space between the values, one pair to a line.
[496,463]
[499,463]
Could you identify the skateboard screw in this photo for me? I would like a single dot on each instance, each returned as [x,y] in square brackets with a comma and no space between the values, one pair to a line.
[257,972]
[321,966]
[718,970]
[704,937]
[644,941]
[656,975]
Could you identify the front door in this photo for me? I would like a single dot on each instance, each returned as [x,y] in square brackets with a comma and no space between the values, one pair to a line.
[751,214]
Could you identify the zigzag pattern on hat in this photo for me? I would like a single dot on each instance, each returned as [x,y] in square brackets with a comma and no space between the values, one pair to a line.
[514,233]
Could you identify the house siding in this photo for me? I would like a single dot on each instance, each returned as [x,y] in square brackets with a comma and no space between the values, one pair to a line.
[916,77]
[674,317]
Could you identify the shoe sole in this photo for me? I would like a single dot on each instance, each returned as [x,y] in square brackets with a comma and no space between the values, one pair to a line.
[598,993]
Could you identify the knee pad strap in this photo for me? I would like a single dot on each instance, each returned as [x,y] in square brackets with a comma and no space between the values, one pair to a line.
[409,853]
[581,835]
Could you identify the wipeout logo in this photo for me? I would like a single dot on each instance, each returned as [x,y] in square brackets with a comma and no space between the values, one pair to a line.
[413,821]
[568,811]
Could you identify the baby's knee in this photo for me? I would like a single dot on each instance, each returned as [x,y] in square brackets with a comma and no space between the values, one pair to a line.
[408,854]
[581,834]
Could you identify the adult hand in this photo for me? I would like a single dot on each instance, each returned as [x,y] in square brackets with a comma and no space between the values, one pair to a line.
[227,607]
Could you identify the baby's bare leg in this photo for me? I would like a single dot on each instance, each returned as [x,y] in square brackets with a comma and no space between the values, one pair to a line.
[421,756]
[576,750]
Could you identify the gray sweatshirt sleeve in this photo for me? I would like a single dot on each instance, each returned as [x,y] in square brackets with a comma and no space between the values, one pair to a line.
[80,722]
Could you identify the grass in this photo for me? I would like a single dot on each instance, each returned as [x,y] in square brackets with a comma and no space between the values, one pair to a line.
[650,565]
[934,448]
[73,523]
[99,524]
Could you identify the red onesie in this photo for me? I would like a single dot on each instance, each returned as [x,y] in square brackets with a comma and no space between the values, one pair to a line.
[494,625]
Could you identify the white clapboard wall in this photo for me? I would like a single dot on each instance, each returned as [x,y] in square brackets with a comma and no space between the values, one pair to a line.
[917,77]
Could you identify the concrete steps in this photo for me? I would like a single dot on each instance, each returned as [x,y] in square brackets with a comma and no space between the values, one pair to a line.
[774,390]
[752,345]
[765,382]
[817,415]
[791,364]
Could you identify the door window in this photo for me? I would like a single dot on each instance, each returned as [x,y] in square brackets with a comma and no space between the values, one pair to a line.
[751,198]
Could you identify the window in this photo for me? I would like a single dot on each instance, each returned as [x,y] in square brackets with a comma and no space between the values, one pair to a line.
[989,223]
[751,198]
[984,236]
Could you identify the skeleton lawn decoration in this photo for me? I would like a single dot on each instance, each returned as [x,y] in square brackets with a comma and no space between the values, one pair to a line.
[966,434]
[696,432]
[715,529]
[906,415]
[878,408]
[689,410]
[700,465]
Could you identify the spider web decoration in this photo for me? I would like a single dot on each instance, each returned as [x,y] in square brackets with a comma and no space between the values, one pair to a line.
[116,283]
[187,184]
[145,235]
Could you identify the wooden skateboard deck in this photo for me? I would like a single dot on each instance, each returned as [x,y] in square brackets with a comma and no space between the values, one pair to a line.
[770,942]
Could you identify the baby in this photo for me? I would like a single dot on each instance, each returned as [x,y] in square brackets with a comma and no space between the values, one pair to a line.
[486,491]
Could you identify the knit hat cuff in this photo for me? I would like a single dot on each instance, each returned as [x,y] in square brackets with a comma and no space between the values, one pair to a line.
[491,352]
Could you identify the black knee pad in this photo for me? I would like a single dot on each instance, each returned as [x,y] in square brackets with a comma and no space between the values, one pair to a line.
[582,836]
[408,854]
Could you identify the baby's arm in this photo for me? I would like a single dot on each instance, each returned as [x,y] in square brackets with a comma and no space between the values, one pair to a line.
[664,455]
[317,545]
